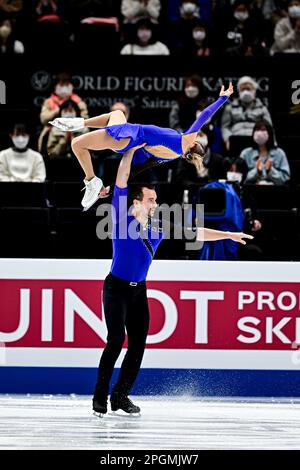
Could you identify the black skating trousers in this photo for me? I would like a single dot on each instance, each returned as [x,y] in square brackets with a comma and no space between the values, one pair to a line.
[125,307]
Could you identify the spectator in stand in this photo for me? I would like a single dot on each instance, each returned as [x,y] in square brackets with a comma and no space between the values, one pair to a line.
[245,33]
[175,10]
[240,214]
[135,10]
[184,111]
[8,42]
[63,91]
[19,162]
[198,42]
[59,142]
[241,114]
[46,7]
[180,35]
[145,41]
[11,6]
[235,35]
[237,174]
[271,10]
[287,30]
[213,167]
[266,162]
[77,10]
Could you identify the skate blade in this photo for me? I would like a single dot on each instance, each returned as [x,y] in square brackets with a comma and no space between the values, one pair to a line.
[123,414]
[98,415]
[86,208]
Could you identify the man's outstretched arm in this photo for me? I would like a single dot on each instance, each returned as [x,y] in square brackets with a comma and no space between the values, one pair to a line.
[125,166]
[208,234]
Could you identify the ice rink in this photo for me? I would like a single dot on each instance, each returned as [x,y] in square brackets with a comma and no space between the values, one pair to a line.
[66,422]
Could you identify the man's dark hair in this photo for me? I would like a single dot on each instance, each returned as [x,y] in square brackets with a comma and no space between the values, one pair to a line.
[136,192]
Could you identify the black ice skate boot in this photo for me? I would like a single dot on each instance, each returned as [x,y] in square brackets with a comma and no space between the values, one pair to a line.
[120,401]
[99,406]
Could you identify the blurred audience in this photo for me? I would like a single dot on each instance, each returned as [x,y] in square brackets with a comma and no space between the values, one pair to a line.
[197,42]
[77,10]
[19,162]
[287,30]
[237,174]
[183,113]
[63,91]
[59,142]
[46,7]
[213,167]
[266,162]
[177,9]
[243,31]
[8,42]
[135,10]
[11,6]
[241,114]
[145,41]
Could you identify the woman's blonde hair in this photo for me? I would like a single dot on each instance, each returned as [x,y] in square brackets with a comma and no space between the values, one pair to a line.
[195,155]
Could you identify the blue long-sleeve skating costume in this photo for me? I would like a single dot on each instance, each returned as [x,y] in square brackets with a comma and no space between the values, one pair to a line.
[161,143]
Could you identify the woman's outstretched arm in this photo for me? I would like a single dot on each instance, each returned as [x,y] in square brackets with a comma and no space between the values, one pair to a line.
[210,110]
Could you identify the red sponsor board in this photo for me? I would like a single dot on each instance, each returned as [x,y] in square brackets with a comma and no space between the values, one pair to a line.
[185,314]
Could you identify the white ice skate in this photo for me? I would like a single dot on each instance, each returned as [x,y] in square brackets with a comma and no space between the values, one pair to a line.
[68,124]
[92,189]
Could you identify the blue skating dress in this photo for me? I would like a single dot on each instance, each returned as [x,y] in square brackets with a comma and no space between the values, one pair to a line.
[159,140]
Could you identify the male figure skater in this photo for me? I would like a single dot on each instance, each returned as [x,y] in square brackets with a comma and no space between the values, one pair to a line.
[124,294]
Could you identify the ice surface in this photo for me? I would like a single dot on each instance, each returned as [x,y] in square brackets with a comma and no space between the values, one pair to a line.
[67,422]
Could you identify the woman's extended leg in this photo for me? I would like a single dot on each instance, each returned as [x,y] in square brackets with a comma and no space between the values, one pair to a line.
[108,119]
[97,140]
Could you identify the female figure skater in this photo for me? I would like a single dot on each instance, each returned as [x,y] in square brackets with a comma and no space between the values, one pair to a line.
[116,134]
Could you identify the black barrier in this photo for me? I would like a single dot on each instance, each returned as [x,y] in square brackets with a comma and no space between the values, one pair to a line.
[149,85]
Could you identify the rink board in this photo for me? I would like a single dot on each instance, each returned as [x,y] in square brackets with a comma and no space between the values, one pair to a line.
[217,328]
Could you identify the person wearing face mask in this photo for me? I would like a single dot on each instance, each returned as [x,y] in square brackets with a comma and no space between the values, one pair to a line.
[145,41]
[8,43]
[63,91]
[187,105]
[59,142]
[237,35]
[287,30]
[200,45]
[240,116]
[189,9]
[19,162]
[180,34]
[197,43]
[236,175]
[135,10]
[266,162]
